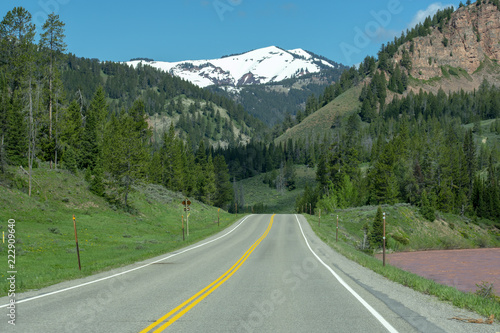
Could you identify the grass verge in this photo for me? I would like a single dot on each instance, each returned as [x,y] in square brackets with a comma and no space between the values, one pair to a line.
[326,231]
[108,238]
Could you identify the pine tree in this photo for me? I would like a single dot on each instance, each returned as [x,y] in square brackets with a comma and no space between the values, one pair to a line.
[125,152]
[200,161]
[52,44]
[179,173]
[290,175]
[17,34]
[16,143]
[367,112]
[190,170]
[4,108]
[70,160]
[377,230]
[383,184]
[166,157]
[470,160]
[98,112]
[93,133]
[97,182]
[210,182]
[72,131]
[224,189]
[426,208]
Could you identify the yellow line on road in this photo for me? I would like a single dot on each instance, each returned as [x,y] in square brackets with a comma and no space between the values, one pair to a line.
[199,296]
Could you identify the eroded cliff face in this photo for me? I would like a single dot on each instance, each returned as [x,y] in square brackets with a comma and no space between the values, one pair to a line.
[468,38]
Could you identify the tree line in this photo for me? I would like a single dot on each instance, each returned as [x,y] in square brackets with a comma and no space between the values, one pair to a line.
[424,149]
[55,109]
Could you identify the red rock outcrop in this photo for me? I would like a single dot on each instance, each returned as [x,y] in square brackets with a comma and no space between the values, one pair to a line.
[468,38]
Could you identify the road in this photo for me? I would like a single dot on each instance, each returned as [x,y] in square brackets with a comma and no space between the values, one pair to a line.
[266,273]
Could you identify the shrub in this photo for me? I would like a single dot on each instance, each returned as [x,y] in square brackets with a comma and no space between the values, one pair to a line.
[402,239]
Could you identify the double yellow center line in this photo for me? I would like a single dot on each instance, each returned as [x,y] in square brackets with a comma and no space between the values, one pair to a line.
[183,308]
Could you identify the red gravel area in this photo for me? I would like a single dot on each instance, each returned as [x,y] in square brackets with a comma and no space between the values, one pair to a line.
[462,269]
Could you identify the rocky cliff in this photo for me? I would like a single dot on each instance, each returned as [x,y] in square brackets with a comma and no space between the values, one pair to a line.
[471,36]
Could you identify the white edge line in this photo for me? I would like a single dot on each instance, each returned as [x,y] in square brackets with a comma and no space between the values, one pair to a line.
[125,272]
[374,312]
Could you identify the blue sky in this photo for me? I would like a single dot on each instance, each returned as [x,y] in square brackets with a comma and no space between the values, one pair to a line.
[175,30]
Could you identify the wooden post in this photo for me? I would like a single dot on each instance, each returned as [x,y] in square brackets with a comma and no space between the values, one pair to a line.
[187,218]
[383,242]
[76,240]
[319,218]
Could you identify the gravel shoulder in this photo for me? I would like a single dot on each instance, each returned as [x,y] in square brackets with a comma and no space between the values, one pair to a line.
[394,301]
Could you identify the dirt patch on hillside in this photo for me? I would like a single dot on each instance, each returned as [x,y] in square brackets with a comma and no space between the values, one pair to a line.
[462,269]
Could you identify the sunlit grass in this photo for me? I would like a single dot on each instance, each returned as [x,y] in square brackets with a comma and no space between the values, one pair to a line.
[107,237]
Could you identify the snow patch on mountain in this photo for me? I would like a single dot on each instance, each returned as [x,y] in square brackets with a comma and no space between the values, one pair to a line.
[265,65]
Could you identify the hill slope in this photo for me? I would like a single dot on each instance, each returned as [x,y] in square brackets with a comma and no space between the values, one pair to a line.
[452,51]
[320,122]
[193,110]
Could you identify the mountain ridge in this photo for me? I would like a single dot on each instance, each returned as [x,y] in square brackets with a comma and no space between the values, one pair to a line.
[260,66]
[451,52]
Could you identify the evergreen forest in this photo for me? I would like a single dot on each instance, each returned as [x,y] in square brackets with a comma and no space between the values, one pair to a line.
[439,152]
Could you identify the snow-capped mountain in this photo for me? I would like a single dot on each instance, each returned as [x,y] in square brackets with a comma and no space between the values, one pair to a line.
[269,64]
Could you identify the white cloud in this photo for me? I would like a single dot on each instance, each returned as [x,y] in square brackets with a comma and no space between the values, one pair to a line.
[430,11]
[384,34]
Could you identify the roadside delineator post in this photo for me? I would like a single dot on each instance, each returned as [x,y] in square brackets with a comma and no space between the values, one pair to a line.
[218,217]
[383,242]
[76,240]
[319,218]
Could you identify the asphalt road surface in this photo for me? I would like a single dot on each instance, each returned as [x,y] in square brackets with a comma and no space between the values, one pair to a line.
[266,273]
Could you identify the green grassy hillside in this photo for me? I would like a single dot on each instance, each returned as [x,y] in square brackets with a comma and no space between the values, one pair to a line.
[320,122]
[256,192]
[407,230]
[44,233]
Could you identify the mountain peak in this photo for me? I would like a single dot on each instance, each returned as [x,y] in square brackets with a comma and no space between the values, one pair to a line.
[259,66]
